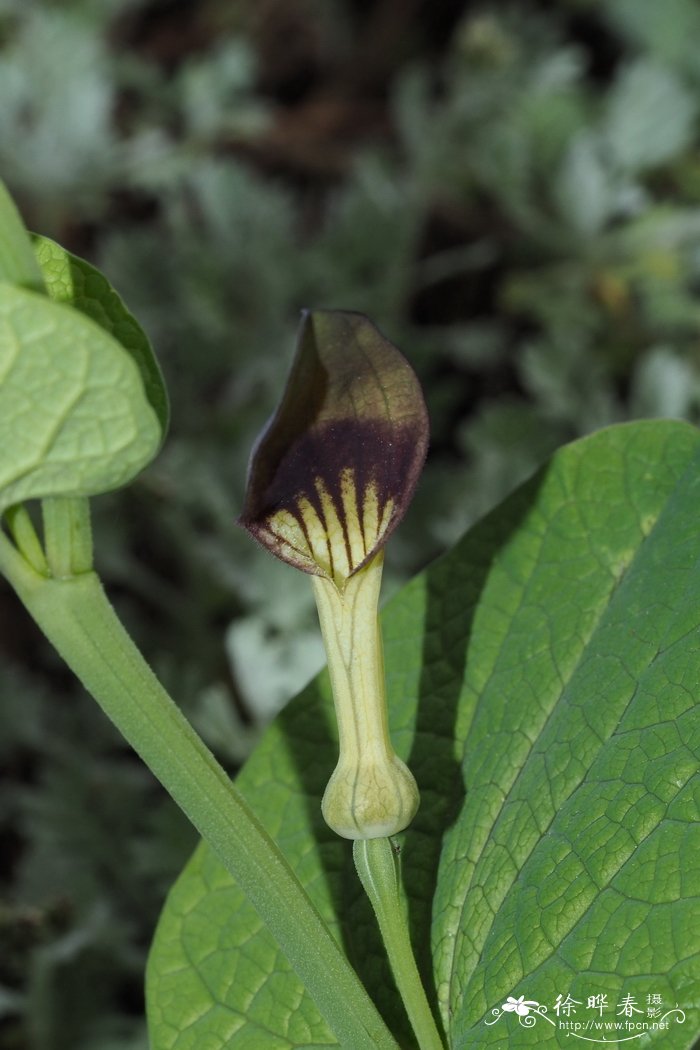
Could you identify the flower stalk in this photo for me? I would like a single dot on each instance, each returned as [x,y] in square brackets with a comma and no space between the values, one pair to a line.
[378,868]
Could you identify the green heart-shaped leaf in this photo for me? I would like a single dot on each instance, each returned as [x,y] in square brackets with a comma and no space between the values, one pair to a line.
[74,282]
[543,681]
[74,416]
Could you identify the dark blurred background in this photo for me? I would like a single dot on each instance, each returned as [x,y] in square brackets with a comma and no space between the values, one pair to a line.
[510,190]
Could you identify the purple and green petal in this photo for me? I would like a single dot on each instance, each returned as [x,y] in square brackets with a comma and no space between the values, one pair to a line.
[335,469]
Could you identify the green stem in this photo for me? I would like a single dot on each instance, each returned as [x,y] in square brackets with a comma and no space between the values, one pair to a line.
[67,535]
[26,540]
[76,616]
[378,868]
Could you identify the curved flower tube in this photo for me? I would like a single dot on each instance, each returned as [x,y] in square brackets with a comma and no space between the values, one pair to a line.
[329,480]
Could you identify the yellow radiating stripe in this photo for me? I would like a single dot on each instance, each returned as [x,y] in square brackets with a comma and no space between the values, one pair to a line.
[335,534]
[286,531]
[317,536]
[333,539]
[370,516]
[353,526]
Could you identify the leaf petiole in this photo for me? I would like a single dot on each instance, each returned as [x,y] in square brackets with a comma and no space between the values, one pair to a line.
[67,535]
[377,867]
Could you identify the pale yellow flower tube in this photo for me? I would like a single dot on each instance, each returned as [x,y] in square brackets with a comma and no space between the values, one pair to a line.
[371,793]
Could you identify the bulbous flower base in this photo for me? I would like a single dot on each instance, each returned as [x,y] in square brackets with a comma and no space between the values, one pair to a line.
[370,800]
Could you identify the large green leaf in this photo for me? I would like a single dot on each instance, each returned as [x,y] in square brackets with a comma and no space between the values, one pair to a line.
[543,683]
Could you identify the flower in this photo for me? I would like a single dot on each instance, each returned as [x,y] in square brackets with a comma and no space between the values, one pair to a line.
[333,472]
[329,480]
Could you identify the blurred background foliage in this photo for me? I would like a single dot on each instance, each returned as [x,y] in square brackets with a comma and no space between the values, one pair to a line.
[510,190]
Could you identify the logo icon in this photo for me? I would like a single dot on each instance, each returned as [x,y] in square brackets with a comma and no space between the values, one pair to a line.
[628,1023]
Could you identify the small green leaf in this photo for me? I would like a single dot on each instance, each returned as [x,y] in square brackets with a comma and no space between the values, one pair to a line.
[74,418]
[543,684]
[76,283]
[337,465]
